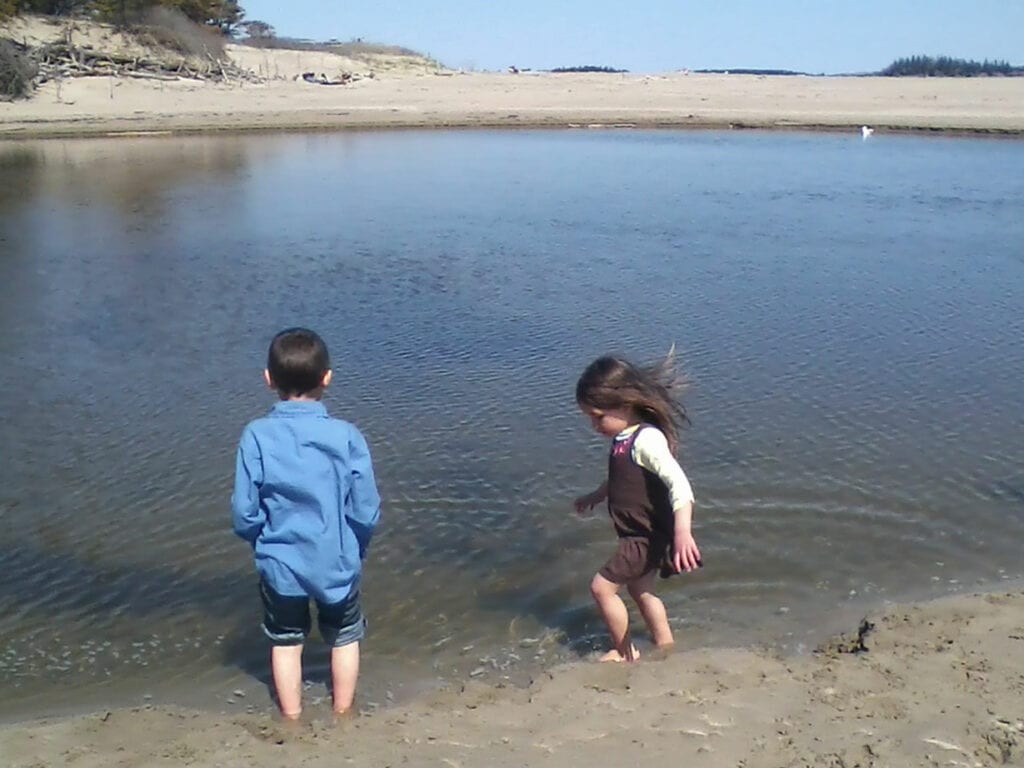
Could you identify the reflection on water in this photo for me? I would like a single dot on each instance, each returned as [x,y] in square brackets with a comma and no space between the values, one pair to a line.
[133,176]
[848,314]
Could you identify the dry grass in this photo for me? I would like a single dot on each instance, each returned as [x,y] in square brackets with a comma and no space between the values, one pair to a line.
[17,71]
[353,49]
[168,28]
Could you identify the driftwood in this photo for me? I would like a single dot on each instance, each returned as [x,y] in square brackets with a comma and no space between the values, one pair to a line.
[345,78]
[64,60]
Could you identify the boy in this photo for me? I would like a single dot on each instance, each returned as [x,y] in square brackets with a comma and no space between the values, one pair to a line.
[305,498]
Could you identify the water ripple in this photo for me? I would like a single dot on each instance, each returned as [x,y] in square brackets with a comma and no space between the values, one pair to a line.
[851,335]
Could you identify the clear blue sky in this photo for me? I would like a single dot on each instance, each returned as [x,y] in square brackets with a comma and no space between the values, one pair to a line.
[830,36]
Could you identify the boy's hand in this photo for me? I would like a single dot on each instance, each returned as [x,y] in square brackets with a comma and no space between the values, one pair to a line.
[685,554]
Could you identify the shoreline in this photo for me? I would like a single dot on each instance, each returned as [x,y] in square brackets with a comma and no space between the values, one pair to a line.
[928,683]
[115,131]
[125,107]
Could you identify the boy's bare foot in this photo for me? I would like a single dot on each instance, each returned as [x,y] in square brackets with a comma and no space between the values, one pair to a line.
[614,655]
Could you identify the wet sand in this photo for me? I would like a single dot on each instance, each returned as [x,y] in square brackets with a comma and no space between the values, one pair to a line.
[931,684]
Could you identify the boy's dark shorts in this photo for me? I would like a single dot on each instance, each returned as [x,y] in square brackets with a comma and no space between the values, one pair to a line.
[636,556]
[287,621]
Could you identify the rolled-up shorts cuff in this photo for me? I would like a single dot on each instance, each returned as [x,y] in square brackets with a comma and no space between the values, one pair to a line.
[336,638]
[341,623]
[286,618]
[284,638]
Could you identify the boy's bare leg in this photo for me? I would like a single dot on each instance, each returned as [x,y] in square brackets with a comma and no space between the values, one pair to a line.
[652,609]
[286,666]
[344,674]
[616,618]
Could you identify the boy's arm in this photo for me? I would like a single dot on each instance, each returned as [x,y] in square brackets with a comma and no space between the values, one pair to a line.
[247,514]
[364,510]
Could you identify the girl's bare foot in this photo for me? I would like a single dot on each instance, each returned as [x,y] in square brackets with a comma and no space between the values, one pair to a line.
[614,655]
[664,650]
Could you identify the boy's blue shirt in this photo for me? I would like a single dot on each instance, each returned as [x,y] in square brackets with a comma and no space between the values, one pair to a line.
[306,499]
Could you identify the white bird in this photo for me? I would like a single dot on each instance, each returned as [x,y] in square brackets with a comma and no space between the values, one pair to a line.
[866,131]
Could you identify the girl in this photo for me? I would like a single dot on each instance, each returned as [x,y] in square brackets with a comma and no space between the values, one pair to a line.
[649,497]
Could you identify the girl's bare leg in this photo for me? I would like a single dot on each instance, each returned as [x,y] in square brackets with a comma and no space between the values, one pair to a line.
[286,667]
[344,674]
[616,618]
[652,609]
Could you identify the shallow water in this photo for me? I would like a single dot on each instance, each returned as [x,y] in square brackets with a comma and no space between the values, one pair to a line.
[848,314]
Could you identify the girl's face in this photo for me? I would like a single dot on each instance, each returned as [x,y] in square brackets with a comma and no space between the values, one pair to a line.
[609,421]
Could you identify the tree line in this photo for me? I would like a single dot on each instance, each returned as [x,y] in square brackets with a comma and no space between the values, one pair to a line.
[947,66]
[223,15]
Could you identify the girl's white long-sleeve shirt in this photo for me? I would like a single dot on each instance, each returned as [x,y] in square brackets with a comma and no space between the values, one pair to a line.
[651,452]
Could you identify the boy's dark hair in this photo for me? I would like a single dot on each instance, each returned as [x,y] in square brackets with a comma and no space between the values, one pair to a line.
[297,361]
[651,391]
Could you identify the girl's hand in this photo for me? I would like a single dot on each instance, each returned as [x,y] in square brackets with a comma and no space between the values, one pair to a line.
[585,504]
[685,554]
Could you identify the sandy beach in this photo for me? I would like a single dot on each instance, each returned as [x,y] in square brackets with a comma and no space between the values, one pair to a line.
[410,92]
[100,106]
[932,684]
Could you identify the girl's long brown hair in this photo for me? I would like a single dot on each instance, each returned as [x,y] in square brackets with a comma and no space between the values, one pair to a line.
[651,391]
